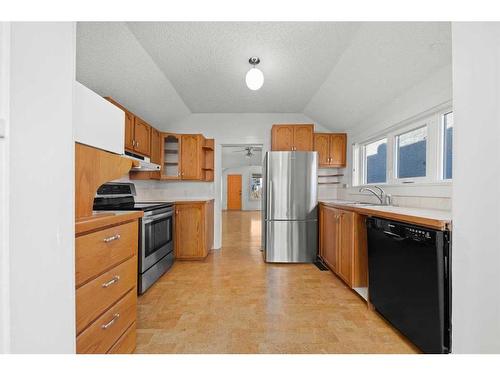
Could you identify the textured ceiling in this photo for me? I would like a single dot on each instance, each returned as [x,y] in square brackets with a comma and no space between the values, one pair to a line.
[337,73]
[207,61]
[383,61]
[110,61]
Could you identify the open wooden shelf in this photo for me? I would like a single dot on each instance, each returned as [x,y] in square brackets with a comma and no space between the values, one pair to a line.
[331,175]
[171,151]
[171,163]
[208,148]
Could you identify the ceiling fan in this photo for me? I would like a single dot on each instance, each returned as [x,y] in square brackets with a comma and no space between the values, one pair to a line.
[249,151]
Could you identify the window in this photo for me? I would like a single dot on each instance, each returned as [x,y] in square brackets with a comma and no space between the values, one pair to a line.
[417,150]
[376,162]
[447,145]
[412,153]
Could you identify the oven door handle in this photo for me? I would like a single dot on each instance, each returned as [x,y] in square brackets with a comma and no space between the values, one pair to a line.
[149,219]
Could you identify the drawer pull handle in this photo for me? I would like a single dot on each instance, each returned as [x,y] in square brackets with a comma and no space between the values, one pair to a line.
[111,322]
[112,238]
[111,282]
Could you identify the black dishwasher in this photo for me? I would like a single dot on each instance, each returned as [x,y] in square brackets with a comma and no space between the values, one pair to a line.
[410,281]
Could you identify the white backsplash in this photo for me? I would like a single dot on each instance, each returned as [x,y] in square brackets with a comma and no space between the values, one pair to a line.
[398,199]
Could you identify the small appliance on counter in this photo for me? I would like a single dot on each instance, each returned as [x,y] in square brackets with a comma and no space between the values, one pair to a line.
[289,207]
[156,237]
[410,281]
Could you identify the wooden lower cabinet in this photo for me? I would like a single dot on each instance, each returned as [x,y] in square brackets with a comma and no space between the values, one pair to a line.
[194,228]
[343,244]
[106,289]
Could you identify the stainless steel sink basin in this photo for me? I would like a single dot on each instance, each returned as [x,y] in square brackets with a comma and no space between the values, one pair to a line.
[365,204]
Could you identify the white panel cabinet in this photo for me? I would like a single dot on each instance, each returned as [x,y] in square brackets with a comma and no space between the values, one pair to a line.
[97,122]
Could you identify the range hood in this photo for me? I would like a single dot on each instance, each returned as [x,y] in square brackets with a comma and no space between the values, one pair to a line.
[145,164]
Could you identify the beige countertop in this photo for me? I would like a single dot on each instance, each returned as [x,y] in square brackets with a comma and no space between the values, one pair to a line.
[103,219]
[426,217]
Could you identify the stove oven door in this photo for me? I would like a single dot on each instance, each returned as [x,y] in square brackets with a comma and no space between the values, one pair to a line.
[157,237]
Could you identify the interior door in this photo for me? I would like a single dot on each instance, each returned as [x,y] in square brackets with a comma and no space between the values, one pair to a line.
[321,145]
[142,137]
[282,138]
[234,191]
[129,131]
[303,137]
[190,157]
[338,143]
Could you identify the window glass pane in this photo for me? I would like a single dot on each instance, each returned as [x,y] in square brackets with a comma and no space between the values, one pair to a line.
[376,161]
[448,145]
[411,151]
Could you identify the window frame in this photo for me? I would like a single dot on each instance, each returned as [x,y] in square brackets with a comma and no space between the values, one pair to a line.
[364,168]
[441,140]
[434,120]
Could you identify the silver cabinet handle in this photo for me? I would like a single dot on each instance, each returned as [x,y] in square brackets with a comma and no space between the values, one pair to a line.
[111,322]
[112,238]
[107,284]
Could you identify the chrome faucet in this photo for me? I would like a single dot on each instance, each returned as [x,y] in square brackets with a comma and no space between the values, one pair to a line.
[384,199]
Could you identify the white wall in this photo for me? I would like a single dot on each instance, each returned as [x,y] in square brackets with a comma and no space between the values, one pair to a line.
[246,171]
[41,219]
[228,129]
[4,185]
[434,91]
[476,199]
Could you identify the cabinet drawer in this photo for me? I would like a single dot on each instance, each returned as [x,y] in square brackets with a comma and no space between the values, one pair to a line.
[126,343]
[98,252]
[105,331]
[93,298]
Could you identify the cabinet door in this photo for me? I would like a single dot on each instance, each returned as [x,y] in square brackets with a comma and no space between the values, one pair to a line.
[188,231]
[190,157]
[345,258]
[338,144]
[322,146]
[329,237]
[155,146]
[129,131]
[156,150]
[303,137]
[282,138]
[142,137]
[171,156]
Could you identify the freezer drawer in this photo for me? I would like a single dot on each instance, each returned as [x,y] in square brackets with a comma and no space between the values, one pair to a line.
[291,241]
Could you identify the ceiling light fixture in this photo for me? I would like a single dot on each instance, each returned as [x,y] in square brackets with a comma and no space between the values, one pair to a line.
[254,77]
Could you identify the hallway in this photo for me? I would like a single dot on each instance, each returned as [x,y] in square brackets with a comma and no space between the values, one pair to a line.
[233,302]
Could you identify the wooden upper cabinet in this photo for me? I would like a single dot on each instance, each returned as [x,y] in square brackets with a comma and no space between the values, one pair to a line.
[129,131]
[191,156]
[338,148]
[292,137]
[156,146]
[322,146]
[303,137]
[331,148]
[282,138]
[142,137]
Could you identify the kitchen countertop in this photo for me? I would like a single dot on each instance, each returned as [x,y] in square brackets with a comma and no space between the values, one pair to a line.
[100,220]
[435,219]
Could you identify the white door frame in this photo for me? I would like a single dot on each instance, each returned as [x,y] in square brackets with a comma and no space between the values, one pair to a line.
[4,194]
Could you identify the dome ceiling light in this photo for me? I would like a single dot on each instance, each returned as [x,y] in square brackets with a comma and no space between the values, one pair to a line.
[254,78]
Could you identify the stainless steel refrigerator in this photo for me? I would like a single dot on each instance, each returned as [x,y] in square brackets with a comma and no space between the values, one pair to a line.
[289,207]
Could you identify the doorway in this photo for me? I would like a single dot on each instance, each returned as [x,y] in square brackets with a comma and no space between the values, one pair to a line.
[234,191]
